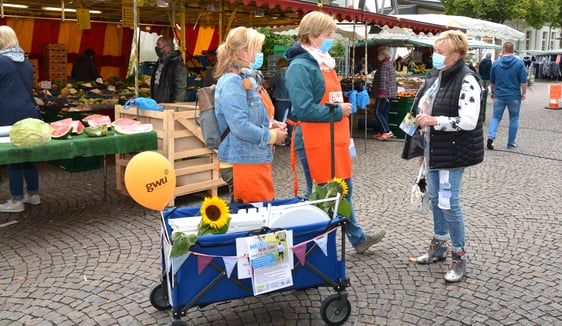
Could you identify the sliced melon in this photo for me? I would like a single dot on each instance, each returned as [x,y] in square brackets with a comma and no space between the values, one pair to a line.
[94,120]
[77,127]
[125,122]
[133,129]
[61,128]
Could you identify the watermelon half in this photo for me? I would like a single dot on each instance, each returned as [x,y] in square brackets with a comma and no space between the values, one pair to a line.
[133,129]
[61,128]
[77,127]
[125,122]
[94,120]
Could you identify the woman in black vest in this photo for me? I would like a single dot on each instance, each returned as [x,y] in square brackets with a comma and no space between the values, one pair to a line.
[447,110]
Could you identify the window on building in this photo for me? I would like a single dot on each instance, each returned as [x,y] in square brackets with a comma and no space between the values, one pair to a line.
[528,40]
[553,41]
[544,40]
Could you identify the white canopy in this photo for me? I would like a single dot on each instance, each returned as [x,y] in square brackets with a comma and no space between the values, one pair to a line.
[475,28]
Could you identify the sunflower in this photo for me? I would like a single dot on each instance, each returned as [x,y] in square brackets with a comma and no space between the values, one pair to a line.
[339,184]
[215,216]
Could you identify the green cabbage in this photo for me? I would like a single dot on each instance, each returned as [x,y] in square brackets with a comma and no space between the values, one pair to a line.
[29,132]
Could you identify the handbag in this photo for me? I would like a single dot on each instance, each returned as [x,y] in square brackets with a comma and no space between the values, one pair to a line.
[419,200]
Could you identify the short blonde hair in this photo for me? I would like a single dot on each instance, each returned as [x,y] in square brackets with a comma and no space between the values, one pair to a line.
[8,37]
[238,38]
[456,42]
[313,24]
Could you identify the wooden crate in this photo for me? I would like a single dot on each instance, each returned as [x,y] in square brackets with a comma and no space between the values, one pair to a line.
[180,140]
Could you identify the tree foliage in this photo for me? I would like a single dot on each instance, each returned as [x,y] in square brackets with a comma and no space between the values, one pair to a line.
[536,13]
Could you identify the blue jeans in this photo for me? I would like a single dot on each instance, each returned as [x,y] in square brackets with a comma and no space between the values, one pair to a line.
[513,107]
[381,111]
[447,215]
[354,232]
[17,173]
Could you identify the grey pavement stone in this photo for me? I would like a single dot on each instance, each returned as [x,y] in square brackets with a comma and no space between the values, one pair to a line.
[79,260]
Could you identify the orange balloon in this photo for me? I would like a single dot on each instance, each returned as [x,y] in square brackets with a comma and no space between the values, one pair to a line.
[150,179]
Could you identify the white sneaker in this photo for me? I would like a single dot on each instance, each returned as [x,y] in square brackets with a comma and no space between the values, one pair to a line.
[31,199]
[12,206]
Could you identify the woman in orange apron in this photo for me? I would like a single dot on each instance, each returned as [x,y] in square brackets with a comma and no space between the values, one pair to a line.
[312,82]
[243,106]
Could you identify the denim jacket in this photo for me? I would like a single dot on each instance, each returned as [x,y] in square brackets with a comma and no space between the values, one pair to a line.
[244,112]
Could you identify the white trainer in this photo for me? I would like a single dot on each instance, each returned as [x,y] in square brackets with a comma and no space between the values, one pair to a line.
[12,206]
[31,199]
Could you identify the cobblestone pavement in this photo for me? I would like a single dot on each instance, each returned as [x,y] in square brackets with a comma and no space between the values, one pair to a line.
[79,260]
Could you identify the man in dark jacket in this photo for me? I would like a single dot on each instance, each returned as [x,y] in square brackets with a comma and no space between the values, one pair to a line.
[169,79]
[484,70]
[84,68]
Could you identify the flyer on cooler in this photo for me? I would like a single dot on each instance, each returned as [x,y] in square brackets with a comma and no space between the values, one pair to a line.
[270,264]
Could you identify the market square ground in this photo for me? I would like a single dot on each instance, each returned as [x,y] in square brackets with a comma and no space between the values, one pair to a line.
[79,260]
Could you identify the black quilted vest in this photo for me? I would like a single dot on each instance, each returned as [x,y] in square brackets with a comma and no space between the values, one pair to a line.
[449,150]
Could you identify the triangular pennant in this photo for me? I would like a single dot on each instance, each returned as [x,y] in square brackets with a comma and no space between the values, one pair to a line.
[300,251]
[229,264]
[323,244]
[177,262]
[202,262]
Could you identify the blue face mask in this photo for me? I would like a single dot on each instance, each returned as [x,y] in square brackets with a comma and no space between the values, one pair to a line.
[326,45]
[258,61]
[438,61]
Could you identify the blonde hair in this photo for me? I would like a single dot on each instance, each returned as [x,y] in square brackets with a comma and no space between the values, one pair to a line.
[456,42]
[8,37]
[313,24]
[237,39]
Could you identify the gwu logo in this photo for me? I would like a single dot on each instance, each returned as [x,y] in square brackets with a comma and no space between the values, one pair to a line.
[150,187]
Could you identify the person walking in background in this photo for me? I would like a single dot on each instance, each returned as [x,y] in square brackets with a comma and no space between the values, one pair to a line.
[243,106]
[281,95]
[16,103]
[484,70]
[448,111]
[84,68]
[312,82]
[384,89]
[169,78]
[508,87]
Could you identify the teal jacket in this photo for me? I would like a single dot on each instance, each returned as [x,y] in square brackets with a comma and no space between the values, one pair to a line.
[306,87]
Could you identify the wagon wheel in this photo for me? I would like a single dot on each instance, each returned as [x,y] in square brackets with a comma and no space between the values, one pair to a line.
[159,299]
[334,311]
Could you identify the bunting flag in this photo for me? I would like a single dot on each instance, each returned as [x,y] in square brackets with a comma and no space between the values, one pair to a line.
[322,244]
[300,251]
[229,264]
[202,262]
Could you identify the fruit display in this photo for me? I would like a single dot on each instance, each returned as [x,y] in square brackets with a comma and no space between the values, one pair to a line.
[406,94]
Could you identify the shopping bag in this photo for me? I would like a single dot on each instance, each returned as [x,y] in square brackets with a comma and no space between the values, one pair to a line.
[419,200]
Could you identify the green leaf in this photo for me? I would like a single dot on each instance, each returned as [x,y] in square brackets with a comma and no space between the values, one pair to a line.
[181,243]
[344,209]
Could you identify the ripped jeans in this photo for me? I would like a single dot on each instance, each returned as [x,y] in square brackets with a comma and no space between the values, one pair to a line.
[443,189]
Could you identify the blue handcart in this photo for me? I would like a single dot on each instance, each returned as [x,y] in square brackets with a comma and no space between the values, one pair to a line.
[182,286]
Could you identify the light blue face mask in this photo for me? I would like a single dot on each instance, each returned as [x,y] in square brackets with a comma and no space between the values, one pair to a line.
[326,45]
[438,61]
[258,61]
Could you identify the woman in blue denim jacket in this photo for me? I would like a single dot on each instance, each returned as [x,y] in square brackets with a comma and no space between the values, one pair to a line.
[243,106]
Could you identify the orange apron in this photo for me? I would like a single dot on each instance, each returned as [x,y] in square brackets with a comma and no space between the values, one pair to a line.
[252,182]
[316,138]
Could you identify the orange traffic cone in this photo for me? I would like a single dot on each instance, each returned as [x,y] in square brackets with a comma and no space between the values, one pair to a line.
[555,92]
